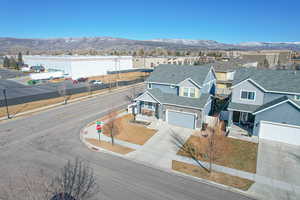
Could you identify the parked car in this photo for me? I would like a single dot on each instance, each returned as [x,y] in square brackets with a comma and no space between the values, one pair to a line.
[95,82]
[82,79]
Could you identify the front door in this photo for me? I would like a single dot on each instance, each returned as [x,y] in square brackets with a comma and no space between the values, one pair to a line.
[236,116]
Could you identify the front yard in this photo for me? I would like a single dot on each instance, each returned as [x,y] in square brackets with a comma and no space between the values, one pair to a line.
[237,154]
[218,177]
[130,131]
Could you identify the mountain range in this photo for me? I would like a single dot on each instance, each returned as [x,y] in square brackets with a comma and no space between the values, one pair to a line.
[8,44]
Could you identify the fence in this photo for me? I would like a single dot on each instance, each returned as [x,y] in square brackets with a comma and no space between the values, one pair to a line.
[70,91]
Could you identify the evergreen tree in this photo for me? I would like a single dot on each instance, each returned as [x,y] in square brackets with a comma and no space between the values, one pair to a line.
[6,62]
[20,60]
[13,63]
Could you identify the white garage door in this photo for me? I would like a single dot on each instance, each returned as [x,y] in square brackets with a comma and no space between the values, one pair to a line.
[176,118]
[280,132]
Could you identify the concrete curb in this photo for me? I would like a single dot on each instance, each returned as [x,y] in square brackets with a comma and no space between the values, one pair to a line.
[169,171]
[70,101]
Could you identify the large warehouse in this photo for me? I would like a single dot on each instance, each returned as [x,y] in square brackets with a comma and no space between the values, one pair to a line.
[80,66]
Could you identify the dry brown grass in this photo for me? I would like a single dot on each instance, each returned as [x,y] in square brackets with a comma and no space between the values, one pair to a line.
[233,153]
[15,109]
[108,146]
[120,77]
[130,132]
[218,177]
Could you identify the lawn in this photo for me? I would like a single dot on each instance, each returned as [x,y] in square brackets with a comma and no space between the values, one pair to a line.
[131,132]
[108,146]
[237,154]
[218,177]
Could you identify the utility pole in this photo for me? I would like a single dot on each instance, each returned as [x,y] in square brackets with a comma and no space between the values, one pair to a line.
[5,100]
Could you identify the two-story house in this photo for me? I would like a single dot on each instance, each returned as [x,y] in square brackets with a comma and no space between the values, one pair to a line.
[178,94]
[267,104]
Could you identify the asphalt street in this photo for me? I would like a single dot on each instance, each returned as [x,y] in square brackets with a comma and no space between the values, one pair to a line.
[46,140]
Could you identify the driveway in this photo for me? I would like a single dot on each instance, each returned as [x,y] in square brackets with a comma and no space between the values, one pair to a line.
[280,162]
[159,150]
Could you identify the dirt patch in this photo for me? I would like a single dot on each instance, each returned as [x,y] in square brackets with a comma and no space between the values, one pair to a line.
[131,132]
[108,146]
[237,154]
[218,177]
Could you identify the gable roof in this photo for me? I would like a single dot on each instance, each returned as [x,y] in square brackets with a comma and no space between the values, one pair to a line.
[275,103]
[174,74]
[171,99]
[281,81]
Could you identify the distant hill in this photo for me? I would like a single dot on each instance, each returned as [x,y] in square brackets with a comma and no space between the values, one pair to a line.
[108,43]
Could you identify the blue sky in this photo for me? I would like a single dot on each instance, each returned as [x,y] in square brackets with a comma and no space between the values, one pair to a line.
[229,21]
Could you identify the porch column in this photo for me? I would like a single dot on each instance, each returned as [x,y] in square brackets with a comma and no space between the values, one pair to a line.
[230,118]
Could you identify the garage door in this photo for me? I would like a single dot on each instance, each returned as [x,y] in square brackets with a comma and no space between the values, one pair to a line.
[186,120]
[280,132]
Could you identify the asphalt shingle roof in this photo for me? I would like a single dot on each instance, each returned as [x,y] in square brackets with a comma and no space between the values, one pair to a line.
[174,74]
[255,108]
[271,80]
[274,102]
[242,107]
[166,98]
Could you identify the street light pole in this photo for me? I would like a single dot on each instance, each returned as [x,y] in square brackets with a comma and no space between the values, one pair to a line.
[5,100]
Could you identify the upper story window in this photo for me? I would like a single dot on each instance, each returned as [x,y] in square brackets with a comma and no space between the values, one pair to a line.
[248,95]
[149,86]
[189,92]
[297,97]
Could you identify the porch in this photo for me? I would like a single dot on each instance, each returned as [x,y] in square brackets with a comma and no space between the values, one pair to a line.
[148,109]
[242,123]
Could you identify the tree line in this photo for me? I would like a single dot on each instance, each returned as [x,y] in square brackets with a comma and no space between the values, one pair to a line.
[12,62]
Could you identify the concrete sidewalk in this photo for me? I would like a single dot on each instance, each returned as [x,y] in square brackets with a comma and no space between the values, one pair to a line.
[159,151]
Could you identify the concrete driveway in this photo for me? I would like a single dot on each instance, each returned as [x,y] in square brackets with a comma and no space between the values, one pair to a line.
[280,162]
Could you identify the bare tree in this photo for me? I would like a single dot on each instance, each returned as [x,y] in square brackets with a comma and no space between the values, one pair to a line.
[216,143]
[113,126]
[188,148]
[88,86]
[75,181]
[62,91]
[208,147]
[131,96]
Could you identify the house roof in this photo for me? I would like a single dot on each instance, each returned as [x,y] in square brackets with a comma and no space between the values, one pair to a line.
[174,74]
[242,107]
[276,102]
[287,81]
[166,98]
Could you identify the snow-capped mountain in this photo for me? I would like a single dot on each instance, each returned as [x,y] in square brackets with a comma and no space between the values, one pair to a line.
[107,43]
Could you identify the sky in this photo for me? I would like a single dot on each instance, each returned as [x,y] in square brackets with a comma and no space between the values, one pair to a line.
[230,21]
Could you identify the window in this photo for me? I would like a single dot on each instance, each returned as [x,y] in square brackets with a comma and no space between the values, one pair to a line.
[297,97]
[192,92]
[149,86]
[189,92]
[148,105]
[186,92]
[247,95]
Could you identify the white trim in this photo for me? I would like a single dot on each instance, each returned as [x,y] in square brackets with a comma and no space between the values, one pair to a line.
[183,106]
[239,110]
[282,102]
[147,92]
[189,79]
[259,86]
[162,83]
[279,124]
[195,116]
[247,95]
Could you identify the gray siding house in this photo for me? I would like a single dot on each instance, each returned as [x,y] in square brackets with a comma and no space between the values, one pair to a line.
[262,97]
[180,95]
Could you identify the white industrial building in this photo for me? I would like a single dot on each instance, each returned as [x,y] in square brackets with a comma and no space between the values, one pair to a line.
[80,66]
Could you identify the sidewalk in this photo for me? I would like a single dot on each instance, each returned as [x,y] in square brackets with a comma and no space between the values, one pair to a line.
[160,151]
